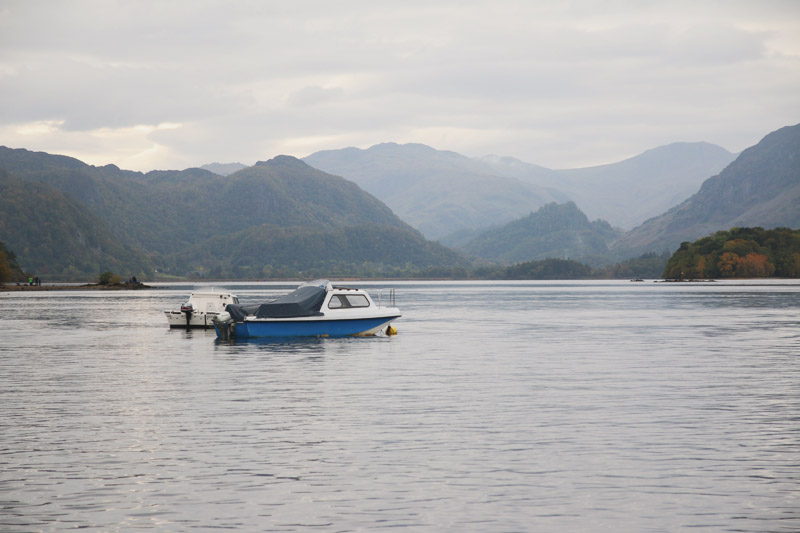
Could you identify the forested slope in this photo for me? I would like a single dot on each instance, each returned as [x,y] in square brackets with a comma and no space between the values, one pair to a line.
[72,220]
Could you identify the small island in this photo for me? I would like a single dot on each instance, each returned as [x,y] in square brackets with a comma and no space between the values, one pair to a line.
[738,253]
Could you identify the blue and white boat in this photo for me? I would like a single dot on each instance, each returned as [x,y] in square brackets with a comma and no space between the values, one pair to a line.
[316,309]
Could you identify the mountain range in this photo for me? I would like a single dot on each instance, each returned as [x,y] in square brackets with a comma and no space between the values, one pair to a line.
[451,198]
[66,219]
[283,217]
[628,192]
[761,188]
[437,192]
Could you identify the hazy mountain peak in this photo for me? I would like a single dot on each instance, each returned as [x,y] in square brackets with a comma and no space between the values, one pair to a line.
[280,159]
[689,151]
[223,169]
[285,163]
[555,230]
[438,192]
[760,188]
[510,163]
[630,191]
[20,159]
[411,150]
[392,146]
[384,146]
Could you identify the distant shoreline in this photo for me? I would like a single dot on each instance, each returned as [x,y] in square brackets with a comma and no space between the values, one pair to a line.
[24,287]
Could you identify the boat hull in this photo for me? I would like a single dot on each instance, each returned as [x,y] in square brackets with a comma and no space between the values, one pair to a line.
[177,319]
[310,328]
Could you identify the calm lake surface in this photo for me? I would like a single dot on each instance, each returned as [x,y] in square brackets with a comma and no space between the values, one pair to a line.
[499,406]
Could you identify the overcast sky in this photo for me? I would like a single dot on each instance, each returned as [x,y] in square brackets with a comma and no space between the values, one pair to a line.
[563,84]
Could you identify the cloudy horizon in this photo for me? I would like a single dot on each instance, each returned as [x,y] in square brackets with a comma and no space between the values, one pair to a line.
[147,85]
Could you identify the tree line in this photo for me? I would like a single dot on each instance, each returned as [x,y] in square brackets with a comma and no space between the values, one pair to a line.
[734,253]
[649,265]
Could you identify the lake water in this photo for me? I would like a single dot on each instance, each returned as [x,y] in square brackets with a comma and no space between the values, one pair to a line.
[519,406]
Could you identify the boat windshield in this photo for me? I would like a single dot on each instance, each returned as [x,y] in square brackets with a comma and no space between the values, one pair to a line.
[342,301]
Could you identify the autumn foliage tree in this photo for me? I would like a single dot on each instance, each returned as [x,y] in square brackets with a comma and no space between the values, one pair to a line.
[738,253]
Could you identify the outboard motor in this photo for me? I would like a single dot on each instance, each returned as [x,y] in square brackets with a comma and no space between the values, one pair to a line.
[187,309]
[225,326]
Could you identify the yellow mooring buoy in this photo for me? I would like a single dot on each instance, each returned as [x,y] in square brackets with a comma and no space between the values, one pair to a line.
[391,330]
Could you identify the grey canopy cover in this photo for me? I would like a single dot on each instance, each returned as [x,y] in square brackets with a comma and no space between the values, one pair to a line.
[305,301]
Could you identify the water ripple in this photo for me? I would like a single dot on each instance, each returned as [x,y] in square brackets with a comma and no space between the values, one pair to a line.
[580,406]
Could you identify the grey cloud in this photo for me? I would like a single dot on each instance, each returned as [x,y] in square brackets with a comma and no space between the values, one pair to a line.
[314,94]
[547,82]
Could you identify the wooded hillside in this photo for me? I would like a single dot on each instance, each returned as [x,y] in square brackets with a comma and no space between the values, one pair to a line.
[738,253]
[69,220]
[555,230]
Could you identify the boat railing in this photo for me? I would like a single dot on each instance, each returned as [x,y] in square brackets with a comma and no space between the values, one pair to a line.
[389,297]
